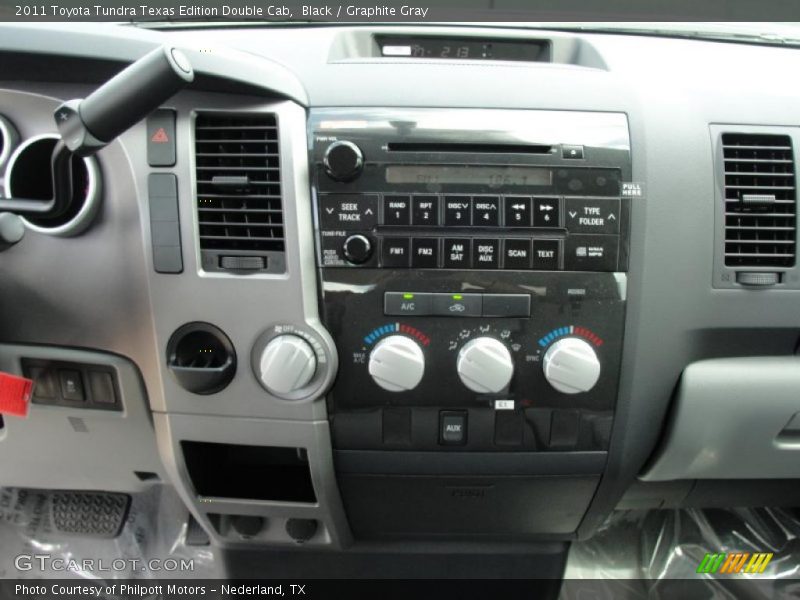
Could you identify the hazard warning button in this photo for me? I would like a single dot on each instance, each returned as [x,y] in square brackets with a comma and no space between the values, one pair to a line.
[161,138]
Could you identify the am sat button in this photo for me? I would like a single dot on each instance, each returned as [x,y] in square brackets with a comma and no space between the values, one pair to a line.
[457,253]
[457,305]
[453,428]
[407,303]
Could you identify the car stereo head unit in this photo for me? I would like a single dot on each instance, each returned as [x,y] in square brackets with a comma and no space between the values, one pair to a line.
[471,189]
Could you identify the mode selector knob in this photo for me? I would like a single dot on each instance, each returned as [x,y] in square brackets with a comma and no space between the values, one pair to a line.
[287,364]
[343,161]
[571,366]
[485,365]
[397,363]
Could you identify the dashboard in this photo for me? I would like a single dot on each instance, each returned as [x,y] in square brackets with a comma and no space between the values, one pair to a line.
[374,286]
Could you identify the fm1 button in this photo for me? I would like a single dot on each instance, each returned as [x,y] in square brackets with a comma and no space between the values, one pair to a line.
[395,252]
[453,428]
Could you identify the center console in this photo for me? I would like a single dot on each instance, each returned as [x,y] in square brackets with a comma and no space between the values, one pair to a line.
[472,267]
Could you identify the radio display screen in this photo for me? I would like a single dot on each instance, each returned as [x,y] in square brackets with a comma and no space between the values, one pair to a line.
[465,175]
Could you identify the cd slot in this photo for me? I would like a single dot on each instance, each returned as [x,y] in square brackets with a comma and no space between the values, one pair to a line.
[456,147]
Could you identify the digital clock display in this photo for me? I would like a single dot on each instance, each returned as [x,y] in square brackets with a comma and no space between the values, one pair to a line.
[466,175]
[464,48]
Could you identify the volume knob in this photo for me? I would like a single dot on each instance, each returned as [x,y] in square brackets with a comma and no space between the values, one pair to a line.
[571,366]
[343,161]
[485,365]
[287,364]
[397,364]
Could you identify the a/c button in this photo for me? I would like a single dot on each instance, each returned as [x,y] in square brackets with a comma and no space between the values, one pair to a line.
[407,303]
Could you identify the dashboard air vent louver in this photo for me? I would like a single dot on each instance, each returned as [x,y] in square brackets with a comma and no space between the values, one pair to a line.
[760,200]
[239,197]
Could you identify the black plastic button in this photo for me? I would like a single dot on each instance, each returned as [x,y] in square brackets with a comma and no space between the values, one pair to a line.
[102,387]
[407,303]
[572,152]
[592,215]
[357,249]
[518,211]
[485,254]
[591,253]
[545,255]
[161,138]
[395,252]
[546,212]
[457,253]
[348,211]
[457,305]
[453,428]
[425,210]
[506,305]
[396,210]
[457,211]
[425,253]
[517,254]
[43,385]
[71,385]
[485,211]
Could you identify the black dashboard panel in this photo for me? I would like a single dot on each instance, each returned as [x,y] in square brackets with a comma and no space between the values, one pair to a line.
[562,459]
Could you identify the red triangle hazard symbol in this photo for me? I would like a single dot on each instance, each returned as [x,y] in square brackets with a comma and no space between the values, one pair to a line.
[160,136]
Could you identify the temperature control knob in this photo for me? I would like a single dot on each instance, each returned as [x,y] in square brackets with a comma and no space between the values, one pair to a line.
[343,161]
[571,366]
[287,364]
[397,363]
[485,365]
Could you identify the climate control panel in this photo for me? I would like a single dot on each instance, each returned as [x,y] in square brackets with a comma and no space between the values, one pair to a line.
[537,369]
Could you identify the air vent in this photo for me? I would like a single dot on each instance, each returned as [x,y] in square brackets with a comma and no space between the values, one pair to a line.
[239,204]
[760,200]
[8,139]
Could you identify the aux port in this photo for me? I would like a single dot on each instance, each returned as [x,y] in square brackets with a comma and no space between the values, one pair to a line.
[28,176]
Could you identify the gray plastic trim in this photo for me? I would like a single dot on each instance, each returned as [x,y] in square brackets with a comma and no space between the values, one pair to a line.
[79,448]
[10,139]
[314,436]
[727,422]
[91,204]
